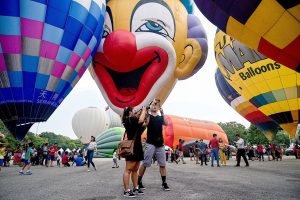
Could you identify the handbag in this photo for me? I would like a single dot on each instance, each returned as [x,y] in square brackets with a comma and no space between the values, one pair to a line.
[125,147]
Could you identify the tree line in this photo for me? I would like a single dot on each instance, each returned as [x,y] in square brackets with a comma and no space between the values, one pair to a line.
[39,139]
[252,134]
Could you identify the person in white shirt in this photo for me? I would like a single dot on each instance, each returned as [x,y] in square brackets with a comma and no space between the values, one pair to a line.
[90,152]
[115,161]
[240,151]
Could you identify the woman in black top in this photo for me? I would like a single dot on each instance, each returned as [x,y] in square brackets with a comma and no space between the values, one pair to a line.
[134,124]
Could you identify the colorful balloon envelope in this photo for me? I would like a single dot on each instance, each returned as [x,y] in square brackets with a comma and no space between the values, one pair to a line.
[267,84]
[189,129]
[108,141]
[146,47]
[245,108]
[89,122]
[271,27]
[45,47]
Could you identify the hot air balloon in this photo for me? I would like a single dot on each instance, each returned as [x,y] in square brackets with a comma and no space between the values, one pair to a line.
[114,118]
[189,129]
[45,47]
[270,27]
[89,122]
[146,47]
[108,141]
[245,108]
[267,84]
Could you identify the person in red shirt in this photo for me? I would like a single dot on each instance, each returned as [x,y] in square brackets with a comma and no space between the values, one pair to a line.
[260,151]
[214,145]
[65,160]
[180,151]
[52,152]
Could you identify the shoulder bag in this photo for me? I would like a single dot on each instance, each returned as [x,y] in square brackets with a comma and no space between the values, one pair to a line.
[125,147]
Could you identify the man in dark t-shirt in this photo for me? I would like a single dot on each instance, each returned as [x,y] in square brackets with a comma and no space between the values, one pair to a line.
[155,144]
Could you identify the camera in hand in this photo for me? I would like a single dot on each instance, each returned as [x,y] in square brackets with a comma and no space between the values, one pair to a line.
[154,102]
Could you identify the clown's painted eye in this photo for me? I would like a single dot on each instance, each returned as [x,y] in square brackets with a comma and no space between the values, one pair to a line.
[105,32]
[153,17]
[108,27]
[154,27]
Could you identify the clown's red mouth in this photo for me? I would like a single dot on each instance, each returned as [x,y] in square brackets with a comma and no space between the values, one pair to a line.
[129,84]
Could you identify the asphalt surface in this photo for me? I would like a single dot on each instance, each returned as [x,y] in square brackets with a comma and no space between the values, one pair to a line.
[262,180]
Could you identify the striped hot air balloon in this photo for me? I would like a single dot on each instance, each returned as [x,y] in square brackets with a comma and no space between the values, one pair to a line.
[245,108]
[45,47]
[270,86]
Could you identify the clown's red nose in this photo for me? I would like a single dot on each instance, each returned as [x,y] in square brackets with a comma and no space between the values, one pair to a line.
[120,48]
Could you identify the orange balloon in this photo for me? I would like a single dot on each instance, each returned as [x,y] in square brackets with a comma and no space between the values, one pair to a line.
[189,129]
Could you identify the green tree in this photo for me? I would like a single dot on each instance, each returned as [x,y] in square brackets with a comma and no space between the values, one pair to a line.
[281,138]
[233,128]
[255,136]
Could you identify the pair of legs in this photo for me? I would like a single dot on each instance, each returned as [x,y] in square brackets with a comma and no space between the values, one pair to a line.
[197,156]
[131,170]
[181,157]
[51,160]
[215,155]
[222,157]
[203,158]
[261,156]
[115,163]
[26,167]
[45,157]
[90,155]
[151,150]
[241,153]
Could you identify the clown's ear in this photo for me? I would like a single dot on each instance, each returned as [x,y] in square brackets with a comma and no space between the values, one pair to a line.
[195,51]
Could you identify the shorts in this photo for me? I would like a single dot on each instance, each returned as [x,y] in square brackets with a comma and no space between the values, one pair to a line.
[51,157]
[115,160]
[150,151]
[27,162]
[1,162]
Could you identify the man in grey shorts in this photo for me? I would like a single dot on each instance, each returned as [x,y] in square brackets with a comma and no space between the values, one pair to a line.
[155,144]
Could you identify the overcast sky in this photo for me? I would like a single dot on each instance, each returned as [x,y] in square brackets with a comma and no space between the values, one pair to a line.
[196,97]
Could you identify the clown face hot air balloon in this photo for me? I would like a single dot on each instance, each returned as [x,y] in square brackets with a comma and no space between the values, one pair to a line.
[245,108]
[267,84]
[45,47]
[89,122]
[146,47]
[271,27]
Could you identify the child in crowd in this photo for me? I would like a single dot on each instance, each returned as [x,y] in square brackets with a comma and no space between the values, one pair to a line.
[27,160]
[65,160]
[58,158]
[2,153]
[115,161]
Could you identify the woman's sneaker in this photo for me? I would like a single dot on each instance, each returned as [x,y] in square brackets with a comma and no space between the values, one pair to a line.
[141,186]
[129,194]
[137,191]
[165,187]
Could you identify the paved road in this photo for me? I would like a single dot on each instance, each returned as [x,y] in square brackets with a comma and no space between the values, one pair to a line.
[262,180]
